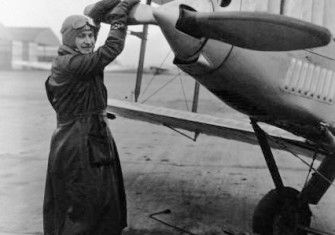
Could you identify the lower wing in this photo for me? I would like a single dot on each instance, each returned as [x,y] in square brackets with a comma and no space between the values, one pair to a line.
[209,125]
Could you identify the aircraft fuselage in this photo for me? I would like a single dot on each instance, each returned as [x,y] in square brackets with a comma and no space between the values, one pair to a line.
[292,90]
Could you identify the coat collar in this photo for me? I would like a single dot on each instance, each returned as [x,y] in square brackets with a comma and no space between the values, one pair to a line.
[65,50]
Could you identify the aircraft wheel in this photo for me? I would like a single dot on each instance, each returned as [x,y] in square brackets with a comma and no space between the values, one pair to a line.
[275,215]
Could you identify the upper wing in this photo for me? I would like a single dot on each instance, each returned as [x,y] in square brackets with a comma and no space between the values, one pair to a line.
[206,124]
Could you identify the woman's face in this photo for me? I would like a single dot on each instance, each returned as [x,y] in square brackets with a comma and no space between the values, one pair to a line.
[85,42]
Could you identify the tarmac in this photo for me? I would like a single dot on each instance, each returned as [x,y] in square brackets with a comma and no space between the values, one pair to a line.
[210,186]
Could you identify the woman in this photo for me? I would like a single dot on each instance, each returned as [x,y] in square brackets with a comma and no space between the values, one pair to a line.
[84,191]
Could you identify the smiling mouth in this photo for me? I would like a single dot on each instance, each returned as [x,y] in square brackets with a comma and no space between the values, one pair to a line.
[87,48]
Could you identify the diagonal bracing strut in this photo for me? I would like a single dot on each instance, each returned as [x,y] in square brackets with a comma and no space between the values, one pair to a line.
[270,161]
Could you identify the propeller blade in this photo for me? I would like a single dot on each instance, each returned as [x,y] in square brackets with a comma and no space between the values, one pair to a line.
[138,15]
[251,30]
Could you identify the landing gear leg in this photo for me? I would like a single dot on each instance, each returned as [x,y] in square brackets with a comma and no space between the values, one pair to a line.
[279,212]
[270,161]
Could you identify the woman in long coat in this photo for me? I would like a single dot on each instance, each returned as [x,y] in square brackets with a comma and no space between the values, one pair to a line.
[84,193]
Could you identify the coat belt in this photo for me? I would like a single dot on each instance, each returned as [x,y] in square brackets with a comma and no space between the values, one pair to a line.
[63,119]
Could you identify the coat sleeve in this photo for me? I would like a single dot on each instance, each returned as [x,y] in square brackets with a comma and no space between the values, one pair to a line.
[83,65]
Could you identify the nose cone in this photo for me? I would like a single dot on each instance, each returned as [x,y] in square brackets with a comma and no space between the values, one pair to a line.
[185,47]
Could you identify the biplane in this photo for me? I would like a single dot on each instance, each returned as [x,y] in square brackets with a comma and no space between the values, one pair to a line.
[273,68]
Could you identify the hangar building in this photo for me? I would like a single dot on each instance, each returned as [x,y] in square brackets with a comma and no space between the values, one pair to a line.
[21,47]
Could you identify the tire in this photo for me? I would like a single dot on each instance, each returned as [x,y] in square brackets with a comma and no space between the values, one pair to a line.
[275,215]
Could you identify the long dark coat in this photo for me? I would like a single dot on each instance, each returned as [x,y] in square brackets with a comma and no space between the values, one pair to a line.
[84,191]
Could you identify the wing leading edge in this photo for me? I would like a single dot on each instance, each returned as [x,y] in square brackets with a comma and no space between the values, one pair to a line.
[206,124]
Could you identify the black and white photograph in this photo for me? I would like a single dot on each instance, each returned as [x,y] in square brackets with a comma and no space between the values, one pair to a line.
[167,117]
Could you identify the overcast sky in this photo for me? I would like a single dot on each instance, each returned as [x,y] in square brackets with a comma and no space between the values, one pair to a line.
[51,13]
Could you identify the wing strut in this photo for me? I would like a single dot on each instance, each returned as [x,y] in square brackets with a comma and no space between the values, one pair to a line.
[195,97]
[141,59]
[270,161]
[282,6]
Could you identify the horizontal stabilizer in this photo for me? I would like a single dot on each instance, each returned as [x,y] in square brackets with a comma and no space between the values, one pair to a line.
[205,124]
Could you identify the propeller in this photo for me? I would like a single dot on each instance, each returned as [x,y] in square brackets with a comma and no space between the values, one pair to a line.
[139,14]
[253,30]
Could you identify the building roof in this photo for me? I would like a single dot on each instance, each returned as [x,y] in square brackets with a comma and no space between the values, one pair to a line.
[44,36]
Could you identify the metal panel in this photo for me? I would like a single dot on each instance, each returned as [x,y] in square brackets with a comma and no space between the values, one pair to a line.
[320,12]
[329,16]
[254,5]
[307,80]
[248,5]
[307,9]
[261,5]
[304,77]
[274,6]
[317,12]
[320,84]
[331,93]
[293,8]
